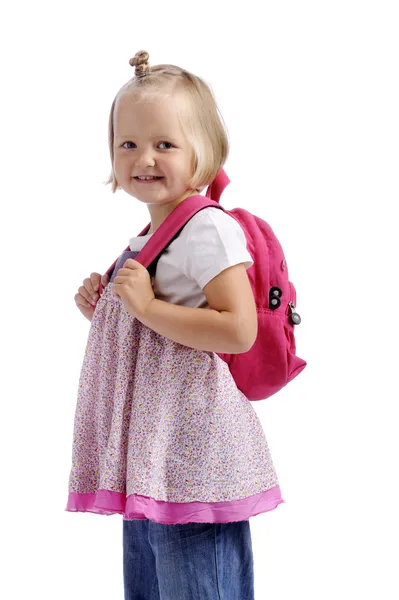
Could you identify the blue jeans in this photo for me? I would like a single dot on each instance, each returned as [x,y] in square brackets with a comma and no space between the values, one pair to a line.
[194,561]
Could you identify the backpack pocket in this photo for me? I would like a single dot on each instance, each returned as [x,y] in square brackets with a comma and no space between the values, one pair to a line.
[262,371]
[294,364]
[271,362]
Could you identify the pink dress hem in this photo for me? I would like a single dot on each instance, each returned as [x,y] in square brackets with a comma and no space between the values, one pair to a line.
[106,502]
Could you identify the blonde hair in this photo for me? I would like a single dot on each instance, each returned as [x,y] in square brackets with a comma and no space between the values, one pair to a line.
[200,117]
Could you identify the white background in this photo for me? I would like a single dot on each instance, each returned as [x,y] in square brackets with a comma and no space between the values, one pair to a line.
[309,92]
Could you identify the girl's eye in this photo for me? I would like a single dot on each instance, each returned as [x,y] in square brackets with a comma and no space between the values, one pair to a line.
[162,145]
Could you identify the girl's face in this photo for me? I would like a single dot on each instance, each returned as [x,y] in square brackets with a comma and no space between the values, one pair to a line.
[149,142]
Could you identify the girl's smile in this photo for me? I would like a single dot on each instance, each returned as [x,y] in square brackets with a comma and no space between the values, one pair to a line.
[146,179]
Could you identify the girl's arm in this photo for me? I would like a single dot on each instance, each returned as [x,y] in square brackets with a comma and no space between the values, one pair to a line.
[229,326]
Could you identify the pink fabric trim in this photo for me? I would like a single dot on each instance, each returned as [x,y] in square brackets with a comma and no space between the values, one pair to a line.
[106,502]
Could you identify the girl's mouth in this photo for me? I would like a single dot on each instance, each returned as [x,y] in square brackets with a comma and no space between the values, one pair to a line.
[149,179]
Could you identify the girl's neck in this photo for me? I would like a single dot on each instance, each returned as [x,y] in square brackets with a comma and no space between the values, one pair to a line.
[158,219]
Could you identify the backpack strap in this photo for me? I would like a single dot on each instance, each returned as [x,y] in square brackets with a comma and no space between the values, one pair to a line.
[215,190]
[175,222]
[171,228]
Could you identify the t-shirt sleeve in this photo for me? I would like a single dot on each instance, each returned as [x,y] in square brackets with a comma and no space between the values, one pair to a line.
[214,243]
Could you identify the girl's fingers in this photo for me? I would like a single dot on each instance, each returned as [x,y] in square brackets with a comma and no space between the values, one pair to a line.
[80,301]
[88,295]
[82,291]
[91,284]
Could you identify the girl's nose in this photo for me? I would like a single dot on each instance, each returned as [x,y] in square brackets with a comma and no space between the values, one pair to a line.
[146,159]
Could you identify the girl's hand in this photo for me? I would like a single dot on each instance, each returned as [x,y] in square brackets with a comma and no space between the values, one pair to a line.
[87,296]
[133,285]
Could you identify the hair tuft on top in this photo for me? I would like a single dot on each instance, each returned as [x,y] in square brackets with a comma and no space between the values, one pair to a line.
[140,61]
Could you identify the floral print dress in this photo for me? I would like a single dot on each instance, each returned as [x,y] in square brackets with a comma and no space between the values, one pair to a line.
[161,431]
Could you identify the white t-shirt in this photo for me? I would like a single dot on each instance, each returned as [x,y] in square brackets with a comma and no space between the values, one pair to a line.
[210,242]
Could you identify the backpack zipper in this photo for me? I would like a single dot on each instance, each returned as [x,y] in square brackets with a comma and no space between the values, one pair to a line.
[294,316]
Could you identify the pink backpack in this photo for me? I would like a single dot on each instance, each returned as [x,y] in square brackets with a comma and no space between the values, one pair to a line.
[271,362]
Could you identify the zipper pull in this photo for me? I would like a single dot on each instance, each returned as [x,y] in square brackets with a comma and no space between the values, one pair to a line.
[294,316]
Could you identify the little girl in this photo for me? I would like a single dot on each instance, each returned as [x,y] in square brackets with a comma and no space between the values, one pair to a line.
[162,434]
